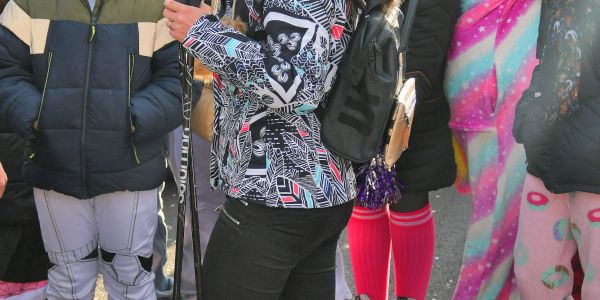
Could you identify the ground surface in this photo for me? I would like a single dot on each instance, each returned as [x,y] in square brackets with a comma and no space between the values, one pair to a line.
[452,214]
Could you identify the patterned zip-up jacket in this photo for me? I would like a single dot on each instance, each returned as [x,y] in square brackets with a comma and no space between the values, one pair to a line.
[267,147]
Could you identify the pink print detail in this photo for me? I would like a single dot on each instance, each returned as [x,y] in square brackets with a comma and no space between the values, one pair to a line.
[594,215]
[335,171]
[218,80]
[336,31]
[302,133]
[245,128]
[287,199]
[537,199]
[189,42]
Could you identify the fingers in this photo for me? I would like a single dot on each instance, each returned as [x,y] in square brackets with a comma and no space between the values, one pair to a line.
[169,14]
[205,9]
[3,180]
[182,17]
[176,31]
[178,36]
[174,5]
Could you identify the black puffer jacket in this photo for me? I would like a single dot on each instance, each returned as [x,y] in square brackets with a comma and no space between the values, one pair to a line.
[88,80]
[428,164]
[16,206]
[22,255]
[565,154]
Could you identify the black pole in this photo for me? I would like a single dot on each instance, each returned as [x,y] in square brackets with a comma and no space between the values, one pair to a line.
[181,207]
[187,182]
[192,179]
[182,187]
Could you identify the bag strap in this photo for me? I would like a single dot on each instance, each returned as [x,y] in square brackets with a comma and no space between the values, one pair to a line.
[409,20]
[233,5]
[409,17]
[195,3]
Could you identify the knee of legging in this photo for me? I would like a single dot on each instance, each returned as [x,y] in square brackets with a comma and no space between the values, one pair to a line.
[359,207]
[410,202]
[127,268]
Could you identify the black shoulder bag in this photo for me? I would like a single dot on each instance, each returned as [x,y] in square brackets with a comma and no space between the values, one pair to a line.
[363,105]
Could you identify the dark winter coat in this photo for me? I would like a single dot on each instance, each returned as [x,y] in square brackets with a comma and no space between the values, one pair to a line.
[565,154]
[16,206]
[88,80]
[428,164]
[22,255]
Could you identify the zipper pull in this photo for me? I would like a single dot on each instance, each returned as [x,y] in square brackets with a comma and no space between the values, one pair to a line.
[93,29]
[372,55]
[376,57]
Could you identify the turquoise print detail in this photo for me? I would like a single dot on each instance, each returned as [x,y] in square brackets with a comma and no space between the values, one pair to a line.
[555,277]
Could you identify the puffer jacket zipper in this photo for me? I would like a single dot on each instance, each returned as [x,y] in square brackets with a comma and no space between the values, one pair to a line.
[130,76]
[94,17]
[39,114]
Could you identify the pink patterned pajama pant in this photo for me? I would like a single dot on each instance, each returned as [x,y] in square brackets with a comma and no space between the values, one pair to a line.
[552,227]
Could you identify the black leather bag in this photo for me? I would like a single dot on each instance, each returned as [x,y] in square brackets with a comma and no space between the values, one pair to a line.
[361,104]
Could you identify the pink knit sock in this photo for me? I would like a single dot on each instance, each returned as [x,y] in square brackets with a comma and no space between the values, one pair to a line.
[413,245]
[369,238]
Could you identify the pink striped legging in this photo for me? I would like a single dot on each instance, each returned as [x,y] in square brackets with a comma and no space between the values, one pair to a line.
[552,227]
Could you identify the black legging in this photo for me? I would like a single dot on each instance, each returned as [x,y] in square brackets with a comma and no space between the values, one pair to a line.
[261,253]
[410,202]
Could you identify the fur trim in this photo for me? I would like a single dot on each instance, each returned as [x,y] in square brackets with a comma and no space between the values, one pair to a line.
[237,24]
[393,3]
[201,73]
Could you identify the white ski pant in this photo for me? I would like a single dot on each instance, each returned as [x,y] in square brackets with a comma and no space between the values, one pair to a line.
[116,229]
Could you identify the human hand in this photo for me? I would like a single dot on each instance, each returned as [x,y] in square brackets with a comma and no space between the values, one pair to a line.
[181,17]
[3,180]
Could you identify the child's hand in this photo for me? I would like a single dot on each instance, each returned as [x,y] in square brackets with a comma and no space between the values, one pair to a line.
[3,180]
[181,17]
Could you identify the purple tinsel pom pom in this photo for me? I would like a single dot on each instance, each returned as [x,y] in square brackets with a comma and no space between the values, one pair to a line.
[377,185]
